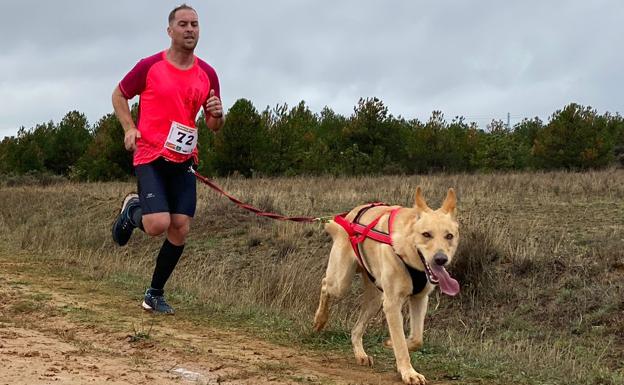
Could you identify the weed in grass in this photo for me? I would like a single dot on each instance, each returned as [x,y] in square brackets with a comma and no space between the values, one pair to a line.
[253,239]
[141,332]
[139,360]
[41,297]
[283,248]
[274,367]
[26,306]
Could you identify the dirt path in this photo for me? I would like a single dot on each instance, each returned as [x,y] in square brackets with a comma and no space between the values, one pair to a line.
[59,331]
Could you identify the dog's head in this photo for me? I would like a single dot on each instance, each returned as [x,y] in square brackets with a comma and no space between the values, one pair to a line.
[429,240]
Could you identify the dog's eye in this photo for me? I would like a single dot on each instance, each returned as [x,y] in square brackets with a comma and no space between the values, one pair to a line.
[426,234]
[449,236]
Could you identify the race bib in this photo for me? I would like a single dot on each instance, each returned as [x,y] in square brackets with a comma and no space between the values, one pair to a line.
[182,139]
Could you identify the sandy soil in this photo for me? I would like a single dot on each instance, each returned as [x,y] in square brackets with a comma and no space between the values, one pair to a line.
[57,331]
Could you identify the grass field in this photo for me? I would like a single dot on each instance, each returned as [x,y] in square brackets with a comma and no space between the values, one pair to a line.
[541,264]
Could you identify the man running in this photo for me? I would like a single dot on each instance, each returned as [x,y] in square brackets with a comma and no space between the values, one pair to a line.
[172,86]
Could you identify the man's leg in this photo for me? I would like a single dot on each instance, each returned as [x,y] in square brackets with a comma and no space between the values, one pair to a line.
[166,262]
[148,210]
[128,219]
[181,197]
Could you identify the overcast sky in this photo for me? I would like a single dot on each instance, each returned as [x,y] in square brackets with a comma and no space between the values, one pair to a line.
[479,59]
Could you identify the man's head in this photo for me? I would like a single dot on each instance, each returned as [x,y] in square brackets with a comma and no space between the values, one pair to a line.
[183,28]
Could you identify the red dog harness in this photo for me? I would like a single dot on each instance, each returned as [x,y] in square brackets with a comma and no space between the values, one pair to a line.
[358,232]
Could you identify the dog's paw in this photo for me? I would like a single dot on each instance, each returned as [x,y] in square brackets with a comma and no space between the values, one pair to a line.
[364,360]
[412,377]
[412,345]
[319,323]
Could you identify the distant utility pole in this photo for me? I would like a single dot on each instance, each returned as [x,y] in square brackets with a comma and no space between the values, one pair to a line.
[508,122]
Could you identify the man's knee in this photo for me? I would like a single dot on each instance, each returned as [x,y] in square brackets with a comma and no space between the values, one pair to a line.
[179,228]
[156,224]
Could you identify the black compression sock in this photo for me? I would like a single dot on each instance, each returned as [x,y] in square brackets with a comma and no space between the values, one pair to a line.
[156,292]
[167,260]
[136,217]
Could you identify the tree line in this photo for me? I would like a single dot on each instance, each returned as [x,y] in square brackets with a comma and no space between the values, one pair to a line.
[287,141]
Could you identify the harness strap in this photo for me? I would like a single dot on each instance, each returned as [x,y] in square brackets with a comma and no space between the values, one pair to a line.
[358,233]
[355,240]
[352,232]
[393,214]
[371,233]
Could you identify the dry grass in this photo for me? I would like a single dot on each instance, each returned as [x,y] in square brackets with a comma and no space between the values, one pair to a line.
[540,261]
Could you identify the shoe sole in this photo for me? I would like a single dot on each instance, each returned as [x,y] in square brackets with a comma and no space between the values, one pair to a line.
[126,200]
[113,232]
[147,307]
[123,205]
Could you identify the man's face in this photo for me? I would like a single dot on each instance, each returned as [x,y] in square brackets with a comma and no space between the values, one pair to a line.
[184,30]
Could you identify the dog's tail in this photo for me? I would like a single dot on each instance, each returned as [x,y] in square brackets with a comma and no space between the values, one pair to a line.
[334,230]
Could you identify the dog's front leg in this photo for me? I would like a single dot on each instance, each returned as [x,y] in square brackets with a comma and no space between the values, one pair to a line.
[392,308]
[371,302]
[417,310]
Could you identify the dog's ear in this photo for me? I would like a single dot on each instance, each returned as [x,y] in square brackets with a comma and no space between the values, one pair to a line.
[450,203]
[419,202]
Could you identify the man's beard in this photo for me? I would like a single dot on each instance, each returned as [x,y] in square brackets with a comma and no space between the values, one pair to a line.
[189,46]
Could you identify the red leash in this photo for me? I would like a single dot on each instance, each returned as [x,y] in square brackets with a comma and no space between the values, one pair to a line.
[255,210]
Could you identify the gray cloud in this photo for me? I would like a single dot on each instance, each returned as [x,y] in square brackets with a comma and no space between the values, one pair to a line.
[478,59]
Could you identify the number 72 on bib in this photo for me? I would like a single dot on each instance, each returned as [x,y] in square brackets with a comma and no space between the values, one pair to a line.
[182,139]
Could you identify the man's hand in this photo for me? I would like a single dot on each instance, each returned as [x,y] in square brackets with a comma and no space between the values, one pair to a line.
[130,138]
[213,106]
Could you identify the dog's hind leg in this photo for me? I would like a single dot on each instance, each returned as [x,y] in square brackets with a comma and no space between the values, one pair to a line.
[340,270]
[371,303]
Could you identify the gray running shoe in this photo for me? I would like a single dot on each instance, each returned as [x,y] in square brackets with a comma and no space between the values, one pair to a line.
[155,302]
[123,226]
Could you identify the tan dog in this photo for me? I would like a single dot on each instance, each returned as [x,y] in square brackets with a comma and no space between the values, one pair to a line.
[423,242]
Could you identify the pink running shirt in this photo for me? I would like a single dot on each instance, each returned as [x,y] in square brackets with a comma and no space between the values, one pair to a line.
[167,94]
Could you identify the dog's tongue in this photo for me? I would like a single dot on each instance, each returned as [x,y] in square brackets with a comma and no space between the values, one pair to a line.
[447,284]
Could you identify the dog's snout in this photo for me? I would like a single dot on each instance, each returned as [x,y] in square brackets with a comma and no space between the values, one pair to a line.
[440,259]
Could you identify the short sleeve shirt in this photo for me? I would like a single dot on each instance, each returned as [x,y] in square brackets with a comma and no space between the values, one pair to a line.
[167,94]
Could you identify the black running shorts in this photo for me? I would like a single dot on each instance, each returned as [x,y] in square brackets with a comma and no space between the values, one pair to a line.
[166,186]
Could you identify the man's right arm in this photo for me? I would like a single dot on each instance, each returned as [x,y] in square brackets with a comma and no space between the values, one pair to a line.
[122,111]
